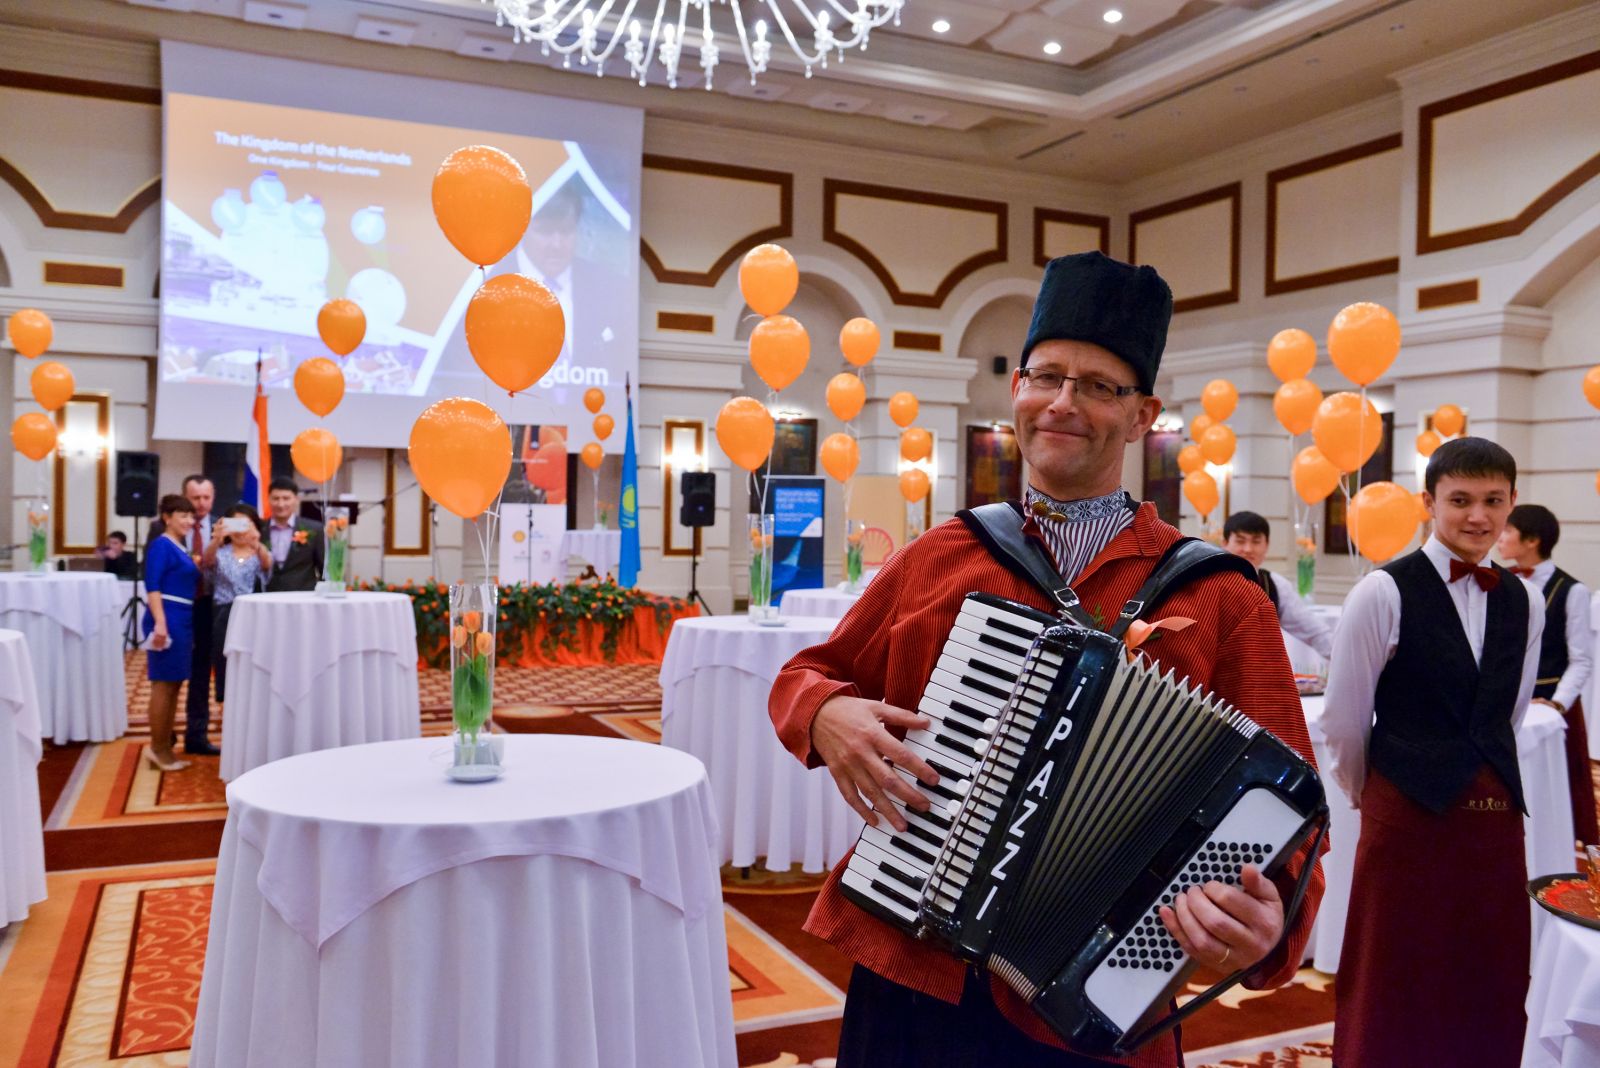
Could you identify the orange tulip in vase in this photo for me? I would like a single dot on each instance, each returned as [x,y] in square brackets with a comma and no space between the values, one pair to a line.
[474,610]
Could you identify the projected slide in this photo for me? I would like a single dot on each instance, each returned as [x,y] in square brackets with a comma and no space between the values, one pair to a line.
[272,209]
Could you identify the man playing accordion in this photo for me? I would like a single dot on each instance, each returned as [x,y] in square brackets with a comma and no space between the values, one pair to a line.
[1084,391]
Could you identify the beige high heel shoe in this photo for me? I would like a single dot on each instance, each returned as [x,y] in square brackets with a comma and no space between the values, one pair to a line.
[155,761]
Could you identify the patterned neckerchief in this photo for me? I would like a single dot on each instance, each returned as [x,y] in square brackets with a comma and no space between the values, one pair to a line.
[1077,531]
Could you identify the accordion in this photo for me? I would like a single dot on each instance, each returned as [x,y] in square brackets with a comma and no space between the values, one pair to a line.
[1079,791]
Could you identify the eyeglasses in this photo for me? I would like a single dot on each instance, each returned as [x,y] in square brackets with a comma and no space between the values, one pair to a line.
[1093,390]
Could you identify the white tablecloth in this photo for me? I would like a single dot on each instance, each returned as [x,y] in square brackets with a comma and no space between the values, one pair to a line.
[369,912]
[602,548]
[308,672]
[71,621]
[715,679]
[21,828]
[826,603]
[1564,998]
[1541,753]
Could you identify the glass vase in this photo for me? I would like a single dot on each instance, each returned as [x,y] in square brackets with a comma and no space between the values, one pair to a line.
[474,610]
[855,533]
[761,530]
[39,536]
[1305,557]
[336,549]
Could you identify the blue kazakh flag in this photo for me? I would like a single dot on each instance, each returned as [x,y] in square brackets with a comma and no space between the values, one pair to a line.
[628,507]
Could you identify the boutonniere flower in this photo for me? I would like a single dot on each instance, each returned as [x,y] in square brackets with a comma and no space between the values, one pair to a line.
[1140,632]
[300,537]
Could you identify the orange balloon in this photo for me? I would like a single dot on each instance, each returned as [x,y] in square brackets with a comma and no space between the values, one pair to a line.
[1199,425]
[1313,476]
[34,435]
[460,451]
[914,484]
[319,383]
[768,279]
[1219,398]
[1363,341]
[1427,441]
[316,453]
[1218,444]
[1591,386]
[544,466]
[915,444]
[30,331]
[594,398]
[342,325]
[839,454]
[780,348]
[482,201]
[1295,404]
[903,408]
[52,385]
[745,430]
[603,425]
[1383,520]
[1449,420]
[1291,354]
[592,455]
[1200,490]
[1347,429]
[515,329]
[859,341]
[1190,459]
[846,396]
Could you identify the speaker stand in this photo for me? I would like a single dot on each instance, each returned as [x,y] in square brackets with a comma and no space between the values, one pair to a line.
[694,566]
[132,612]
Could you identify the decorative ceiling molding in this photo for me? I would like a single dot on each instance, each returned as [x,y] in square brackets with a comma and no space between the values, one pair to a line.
[52,217]
[1332,275]
[834,188]
[1232,193]
[1429,114]
[784,227]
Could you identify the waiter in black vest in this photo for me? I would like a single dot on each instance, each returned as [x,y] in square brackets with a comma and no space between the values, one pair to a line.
[1566,657]
[1444,650]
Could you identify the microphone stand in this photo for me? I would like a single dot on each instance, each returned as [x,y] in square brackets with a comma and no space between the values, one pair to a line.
[131,612]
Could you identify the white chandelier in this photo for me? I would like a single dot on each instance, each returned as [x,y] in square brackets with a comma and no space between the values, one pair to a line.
[593,29]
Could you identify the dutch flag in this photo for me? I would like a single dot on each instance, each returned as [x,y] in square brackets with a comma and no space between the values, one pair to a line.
[257,453]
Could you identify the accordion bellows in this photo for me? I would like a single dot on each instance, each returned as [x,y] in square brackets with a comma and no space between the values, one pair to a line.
[1079,791]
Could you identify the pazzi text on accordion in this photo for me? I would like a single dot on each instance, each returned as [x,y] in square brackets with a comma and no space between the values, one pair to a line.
[1080,789]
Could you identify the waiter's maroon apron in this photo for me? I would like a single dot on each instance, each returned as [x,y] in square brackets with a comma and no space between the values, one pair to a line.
[1579,779]
[1434,969]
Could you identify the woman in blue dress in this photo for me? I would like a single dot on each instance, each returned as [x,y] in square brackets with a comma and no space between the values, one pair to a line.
[170,575]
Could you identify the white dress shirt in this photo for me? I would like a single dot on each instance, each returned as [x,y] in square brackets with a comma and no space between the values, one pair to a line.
[1369,631]
[1296,618]
[1580,637]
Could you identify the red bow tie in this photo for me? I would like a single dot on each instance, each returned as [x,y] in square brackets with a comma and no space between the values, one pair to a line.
[1522,572]
[1485,577]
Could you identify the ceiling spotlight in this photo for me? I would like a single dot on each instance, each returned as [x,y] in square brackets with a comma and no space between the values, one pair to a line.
[941,25]
[1112,16]
[1052,48]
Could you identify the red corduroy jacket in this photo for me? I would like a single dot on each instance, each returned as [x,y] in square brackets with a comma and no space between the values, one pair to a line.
[885,649]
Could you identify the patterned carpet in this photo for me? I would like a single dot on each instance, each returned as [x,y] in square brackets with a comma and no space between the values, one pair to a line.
[106,971]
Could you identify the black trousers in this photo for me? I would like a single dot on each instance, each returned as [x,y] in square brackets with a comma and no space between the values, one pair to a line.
[197,703]
[219,642]
[887,1025]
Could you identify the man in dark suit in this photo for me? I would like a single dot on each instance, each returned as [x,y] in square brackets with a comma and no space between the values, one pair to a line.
[197,701]
[296,543]
[564,250]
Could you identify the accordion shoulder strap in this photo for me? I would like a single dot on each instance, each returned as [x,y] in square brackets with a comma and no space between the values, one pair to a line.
[999,528]
[1187,560]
